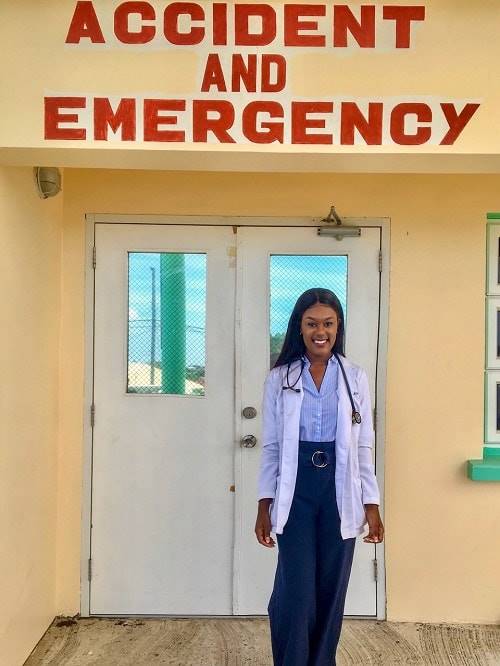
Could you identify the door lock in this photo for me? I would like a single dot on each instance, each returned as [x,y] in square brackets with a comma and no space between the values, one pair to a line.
[249,412]
[248,441]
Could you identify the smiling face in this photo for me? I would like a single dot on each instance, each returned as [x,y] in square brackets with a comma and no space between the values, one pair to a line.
[319,329]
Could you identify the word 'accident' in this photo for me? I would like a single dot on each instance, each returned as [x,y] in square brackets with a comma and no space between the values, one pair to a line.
[244,24]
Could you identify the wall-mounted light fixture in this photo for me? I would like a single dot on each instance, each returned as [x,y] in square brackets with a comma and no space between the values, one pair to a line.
[48,181]
[335,227]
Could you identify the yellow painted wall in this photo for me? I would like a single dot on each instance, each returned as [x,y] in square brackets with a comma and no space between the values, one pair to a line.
[451,58]
[30,257]
[442,543]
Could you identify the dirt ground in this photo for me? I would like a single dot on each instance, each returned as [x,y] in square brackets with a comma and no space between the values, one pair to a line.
[246,642]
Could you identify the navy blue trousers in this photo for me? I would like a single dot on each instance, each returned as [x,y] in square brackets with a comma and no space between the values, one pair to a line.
[306,607]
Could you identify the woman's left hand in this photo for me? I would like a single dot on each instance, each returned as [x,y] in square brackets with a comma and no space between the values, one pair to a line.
[376,527]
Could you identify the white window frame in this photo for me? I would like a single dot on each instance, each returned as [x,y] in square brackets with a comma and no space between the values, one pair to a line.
[493,250]
[492,435]
[492,332]
[492,360]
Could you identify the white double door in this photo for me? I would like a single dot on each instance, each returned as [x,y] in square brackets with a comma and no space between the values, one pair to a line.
[186,319]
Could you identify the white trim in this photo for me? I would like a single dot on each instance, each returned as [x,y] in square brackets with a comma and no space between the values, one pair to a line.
[493,307]
[492,435]
[492,258]
[381,405]
[233,220]
[87,429]
[492,361]
[238,406]
[91,221]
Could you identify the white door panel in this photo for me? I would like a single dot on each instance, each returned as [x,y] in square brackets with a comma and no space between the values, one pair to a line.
[263,254]
[162,510]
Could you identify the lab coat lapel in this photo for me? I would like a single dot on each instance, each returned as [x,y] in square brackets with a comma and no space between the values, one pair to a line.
[292,401]
[344,417]
[345,463]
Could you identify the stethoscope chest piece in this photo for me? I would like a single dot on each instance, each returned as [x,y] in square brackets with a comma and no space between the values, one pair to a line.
[356,416]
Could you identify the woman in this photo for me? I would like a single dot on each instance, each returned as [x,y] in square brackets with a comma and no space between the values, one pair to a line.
[317,488]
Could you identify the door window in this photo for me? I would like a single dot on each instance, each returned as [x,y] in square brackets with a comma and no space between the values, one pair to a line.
[290,276]
[166,323]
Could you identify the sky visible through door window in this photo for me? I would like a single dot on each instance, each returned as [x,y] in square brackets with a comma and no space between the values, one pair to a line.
[166,332]
[290,276]
[166,323]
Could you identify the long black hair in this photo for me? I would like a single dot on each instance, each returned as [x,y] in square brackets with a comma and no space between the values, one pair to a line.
[293,345]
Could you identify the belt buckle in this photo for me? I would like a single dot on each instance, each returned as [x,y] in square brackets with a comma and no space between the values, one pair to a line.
[312,459]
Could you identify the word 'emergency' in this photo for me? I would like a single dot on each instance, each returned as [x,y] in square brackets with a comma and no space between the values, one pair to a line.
[204,120]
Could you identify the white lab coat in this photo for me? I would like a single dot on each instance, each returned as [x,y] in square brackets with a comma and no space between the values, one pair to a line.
[355,480]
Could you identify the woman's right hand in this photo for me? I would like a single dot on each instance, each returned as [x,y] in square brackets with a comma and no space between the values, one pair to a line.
[263,524]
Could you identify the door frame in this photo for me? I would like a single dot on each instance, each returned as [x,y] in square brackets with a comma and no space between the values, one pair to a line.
[91,220]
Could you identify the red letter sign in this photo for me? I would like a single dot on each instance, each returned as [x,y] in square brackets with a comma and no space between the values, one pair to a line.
[122,32]
[398,117]
[53,117]
[105,117]
[403,17]
[85,24]
[171,23]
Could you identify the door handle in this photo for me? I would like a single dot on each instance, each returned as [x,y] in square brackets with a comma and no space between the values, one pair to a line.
[248,441]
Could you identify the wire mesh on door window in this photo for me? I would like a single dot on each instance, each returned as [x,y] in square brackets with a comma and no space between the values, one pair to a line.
[290,276]
[166,323]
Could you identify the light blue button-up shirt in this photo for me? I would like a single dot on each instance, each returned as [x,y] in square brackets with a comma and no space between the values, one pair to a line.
[318,414]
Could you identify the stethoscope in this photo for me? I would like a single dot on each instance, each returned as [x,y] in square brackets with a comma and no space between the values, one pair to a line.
[356,416]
